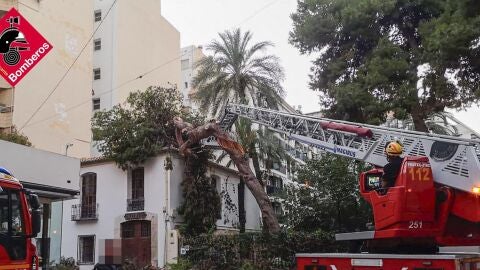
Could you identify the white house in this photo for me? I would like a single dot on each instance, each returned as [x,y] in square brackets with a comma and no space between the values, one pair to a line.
[137,209]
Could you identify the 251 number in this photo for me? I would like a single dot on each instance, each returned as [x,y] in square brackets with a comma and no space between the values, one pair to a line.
[415,224]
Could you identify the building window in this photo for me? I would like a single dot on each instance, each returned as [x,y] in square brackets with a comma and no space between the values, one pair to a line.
[138,183]
[89,195]
[97,44]
[145,229]
[97,14]
[128,229]
[86,249]
[186,84]
[96,104]
[96,74]
[184,64]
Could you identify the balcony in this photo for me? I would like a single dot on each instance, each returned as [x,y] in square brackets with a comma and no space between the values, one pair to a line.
[6,117]
[84,212]
[135,205]
[272,190]
[281,168]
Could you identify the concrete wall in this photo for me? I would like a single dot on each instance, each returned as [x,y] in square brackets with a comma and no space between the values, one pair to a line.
[145,41]
[37,166]
[67,25]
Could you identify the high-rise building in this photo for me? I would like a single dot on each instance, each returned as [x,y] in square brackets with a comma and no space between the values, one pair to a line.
[52,122]
[190,57]
[133,48]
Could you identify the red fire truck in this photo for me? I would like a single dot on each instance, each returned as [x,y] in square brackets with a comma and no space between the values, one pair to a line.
[20,218]
[435,202]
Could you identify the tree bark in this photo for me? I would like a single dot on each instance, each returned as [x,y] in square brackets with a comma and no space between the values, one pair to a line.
[418,118]
[236,153]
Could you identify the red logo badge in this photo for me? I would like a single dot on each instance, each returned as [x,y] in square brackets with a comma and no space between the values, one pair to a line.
[21,47]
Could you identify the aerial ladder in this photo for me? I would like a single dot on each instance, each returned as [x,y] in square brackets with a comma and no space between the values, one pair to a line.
[436,197]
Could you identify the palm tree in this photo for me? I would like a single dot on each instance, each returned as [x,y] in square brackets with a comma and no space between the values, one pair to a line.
[240,73]
[237,72]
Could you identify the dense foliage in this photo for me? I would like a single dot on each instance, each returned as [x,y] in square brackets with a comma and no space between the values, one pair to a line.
[238,71]
[15,137]
[64,264]
[413,57]
[201,207]
[252,250]
[326,197]
[129,134]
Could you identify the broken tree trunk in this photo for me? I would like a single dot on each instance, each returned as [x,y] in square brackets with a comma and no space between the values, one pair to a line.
[187,136]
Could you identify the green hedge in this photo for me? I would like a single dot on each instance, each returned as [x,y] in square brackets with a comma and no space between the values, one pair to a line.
[254,250]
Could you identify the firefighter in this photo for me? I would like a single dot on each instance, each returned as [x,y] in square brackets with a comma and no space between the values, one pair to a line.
[394,150]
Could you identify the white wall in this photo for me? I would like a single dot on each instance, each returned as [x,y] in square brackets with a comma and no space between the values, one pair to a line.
[111,198]
[38,166]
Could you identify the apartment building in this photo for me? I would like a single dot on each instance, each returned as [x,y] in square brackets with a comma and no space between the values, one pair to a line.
[190,57]
[64,119]
[135,212]
[135,47]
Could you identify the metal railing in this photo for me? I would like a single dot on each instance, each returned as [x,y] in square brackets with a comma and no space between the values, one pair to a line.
[84,212]
[271,190]
[135,205]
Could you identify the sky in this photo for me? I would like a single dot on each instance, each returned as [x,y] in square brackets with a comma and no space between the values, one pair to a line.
[200,21]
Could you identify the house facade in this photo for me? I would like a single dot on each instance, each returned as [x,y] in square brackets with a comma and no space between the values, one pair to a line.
[133,214]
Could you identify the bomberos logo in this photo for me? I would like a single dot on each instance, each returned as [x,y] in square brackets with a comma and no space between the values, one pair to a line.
[21,47]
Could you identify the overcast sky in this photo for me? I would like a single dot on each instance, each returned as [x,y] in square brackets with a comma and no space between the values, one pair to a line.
[200,21]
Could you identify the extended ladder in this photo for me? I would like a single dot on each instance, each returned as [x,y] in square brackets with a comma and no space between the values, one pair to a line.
[455,161]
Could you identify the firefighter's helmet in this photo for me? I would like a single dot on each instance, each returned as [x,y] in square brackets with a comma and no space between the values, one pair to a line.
[394,148]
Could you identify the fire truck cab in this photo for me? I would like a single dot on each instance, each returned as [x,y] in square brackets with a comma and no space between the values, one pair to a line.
[20,220]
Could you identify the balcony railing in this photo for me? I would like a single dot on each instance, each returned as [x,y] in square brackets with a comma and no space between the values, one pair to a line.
[272,190]
[84,212]
[135,205]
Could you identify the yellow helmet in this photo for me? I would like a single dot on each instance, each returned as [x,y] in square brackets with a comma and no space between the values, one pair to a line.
[394,148]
